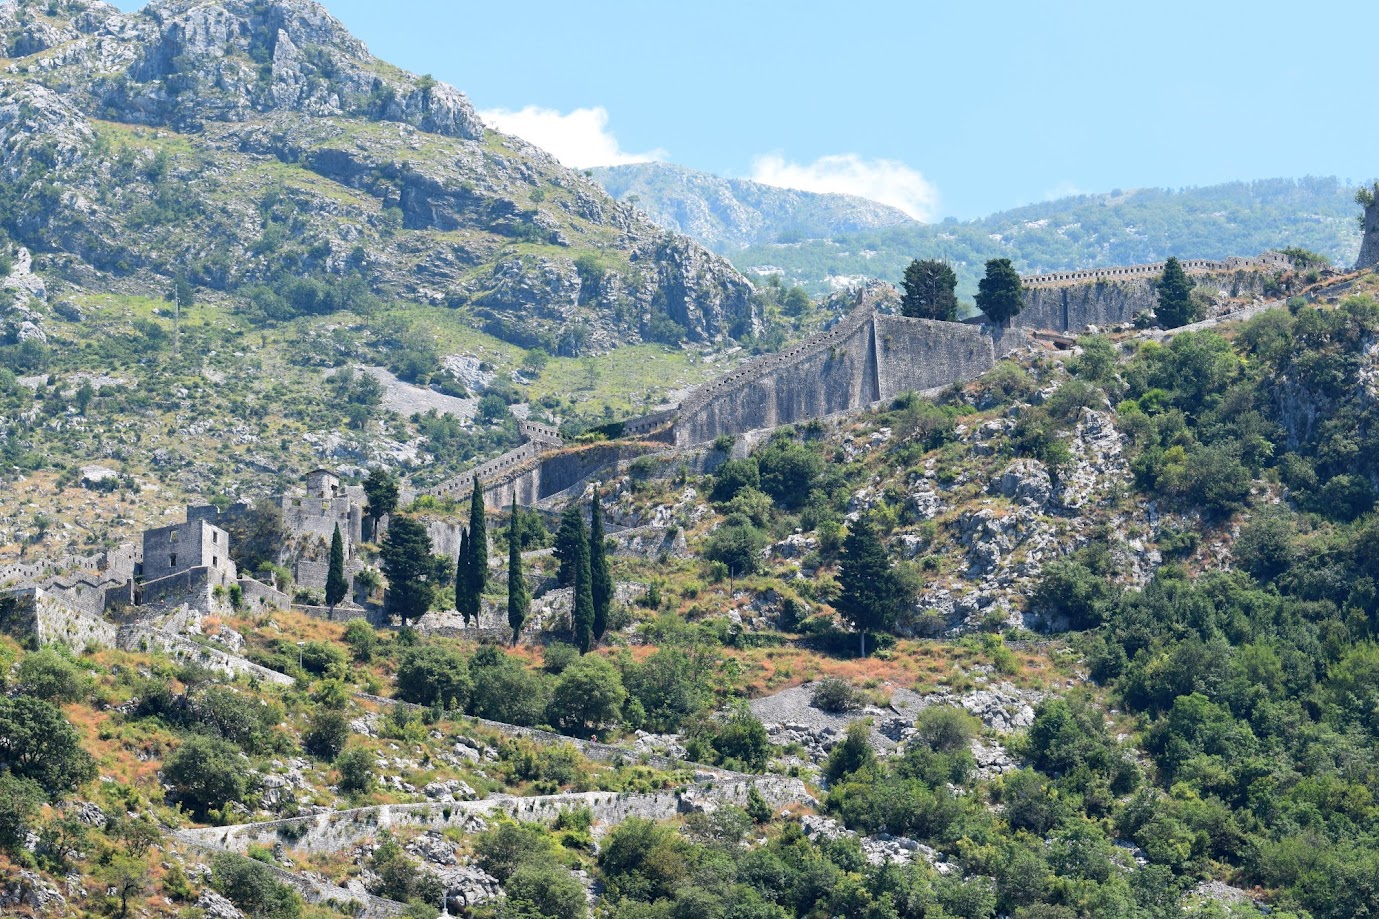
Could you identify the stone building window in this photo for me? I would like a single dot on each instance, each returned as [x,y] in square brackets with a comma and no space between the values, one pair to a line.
[172,560]
[172,536]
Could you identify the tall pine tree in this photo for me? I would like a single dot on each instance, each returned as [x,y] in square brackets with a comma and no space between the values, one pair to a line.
[872,593]
[336,585]
[478,551]
[462,579]
[602,587]
[519,599]
[582,607]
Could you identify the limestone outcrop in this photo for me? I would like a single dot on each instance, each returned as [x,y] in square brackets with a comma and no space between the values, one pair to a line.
[274,111]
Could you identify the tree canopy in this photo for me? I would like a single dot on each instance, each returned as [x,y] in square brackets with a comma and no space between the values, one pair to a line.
[1000,295]
[406,553]
[930,290]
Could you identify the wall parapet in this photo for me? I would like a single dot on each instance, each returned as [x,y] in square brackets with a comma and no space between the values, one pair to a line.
[1269,261]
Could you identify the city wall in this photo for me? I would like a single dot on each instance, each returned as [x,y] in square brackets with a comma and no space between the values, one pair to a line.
[1369,242]
[1073,301]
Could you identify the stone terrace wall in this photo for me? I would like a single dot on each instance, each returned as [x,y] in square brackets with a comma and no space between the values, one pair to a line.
[335,830]
[314,890]
[146,638]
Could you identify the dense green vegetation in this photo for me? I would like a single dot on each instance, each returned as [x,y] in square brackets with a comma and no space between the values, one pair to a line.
[1119,228]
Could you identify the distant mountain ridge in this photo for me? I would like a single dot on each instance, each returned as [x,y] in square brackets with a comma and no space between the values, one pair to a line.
[727,214]
[816,240]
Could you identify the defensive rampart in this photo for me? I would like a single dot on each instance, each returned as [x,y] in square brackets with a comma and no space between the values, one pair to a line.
[867,358]
[1369,242]
[1102,298]
[1269,261]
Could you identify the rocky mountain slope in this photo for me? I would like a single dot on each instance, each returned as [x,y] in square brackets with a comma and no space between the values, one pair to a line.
[728,214]
[258,147]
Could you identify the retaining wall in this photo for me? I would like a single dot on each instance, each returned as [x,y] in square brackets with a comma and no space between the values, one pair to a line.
[335,830]
[145,638]
[49,618]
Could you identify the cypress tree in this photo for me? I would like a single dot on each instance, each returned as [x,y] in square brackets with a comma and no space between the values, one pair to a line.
[567,539]
[582,609]
[478,539]
[519,600]
[602,586]
[872,594]
[462,579]
[336,585]
[1175,306]
[1000,295]
[407,563]
[930,287]
[478,551]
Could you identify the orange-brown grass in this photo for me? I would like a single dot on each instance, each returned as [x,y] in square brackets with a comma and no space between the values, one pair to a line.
[923,665]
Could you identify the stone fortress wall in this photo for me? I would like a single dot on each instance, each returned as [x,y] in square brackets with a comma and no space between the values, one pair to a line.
[1073,301]
[1369,242]
[1269,261]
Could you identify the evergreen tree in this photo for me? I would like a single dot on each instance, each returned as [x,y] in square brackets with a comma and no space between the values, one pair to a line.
[1000,295]
[1175,306]
[462,579]
[519,599]
[478,552]
[872,593]
[930,286]
[602,586]
[336,585]
[567,540]
[381,490]
[582,610]
[407,563]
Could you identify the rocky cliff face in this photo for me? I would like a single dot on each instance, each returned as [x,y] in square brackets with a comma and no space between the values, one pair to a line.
[251,141]
[727,214]
[1369,244]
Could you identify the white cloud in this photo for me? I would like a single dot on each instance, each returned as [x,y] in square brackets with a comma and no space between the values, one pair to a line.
[887,181]
[579,139]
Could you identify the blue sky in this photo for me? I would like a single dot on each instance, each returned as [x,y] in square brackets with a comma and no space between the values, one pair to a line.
[953,109]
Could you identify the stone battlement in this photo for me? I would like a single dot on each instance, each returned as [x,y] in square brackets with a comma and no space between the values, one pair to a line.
[1269,261]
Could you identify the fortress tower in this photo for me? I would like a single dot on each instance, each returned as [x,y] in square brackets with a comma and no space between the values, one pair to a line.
[1369,243]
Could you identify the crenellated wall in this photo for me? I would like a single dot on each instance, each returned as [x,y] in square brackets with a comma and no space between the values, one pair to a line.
[1107,300]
